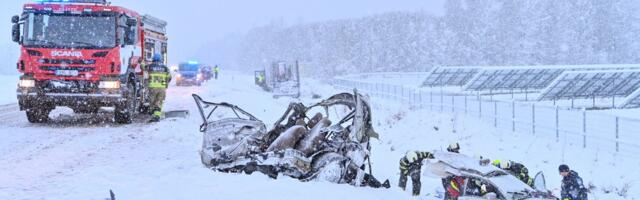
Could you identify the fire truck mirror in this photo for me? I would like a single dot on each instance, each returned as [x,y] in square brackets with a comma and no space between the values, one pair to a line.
[15,19]
[131,22]
[130,37]
[15,33]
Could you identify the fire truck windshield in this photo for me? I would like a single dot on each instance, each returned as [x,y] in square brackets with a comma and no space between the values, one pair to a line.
[70,31]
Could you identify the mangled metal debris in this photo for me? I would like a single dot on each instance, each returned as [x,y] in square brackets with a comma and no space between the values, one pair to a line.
[299,146]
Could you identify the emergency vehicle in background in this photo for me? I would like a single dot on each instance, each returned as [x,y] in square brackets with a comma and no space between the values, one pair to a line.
[84,54]
[281,78]
[189,73]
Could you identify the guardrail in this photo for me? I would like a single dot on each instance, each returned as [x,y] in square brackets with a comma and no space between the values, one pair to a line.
[593,131]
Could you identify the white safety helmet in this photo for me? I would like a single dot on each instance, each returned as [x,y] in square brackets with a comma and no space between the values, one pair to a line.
[505,165]
[454,147]
[412,156]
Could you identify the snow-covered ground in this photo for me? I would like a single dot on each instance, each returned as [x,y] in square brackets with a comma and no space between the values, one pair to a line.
[8,92]
[83,156]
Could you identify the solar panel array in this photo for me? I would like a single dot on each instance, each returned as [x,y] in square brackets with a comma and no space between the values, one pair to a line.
[552,82]
[450,76]
[512,79]
[528,78]
[592,84]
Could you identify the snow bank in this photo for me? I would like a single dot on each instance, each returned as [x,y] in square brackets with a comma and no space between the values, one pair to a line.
[8,89]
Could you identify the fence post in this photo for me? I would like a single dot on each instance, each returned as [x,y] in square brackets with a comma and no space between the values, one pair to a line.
[533,118]
[402,97]
[617,134]
[431,99]
[495,114]
[465,104]
[584,128]
[557,126]
[441,100]
[395,92]
[513,116]
[479,106]
[415,98]
[420,99]
[453,103]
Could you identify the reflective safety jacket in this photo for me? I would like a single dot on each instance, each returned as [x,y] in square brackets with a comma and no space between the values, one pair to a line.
[454,188]
[406,166]
[159,76]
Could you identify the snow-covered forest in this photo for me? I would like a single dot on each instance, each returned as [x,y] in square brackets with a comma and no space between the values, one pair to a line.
[472,32]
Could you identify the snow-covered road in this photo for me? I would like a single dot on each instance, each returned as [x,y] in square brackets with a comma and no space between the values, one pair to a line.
[83,156]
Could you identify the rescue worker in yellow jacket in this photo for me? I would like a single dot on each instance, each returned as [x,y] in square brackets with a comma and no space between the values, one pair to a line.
[216,70]
[516,169]
[410,165]
[159,78]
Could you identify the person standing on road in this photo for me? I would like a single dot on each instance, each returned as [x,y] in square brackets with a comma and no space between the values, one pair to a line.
[159,78]
[216,70]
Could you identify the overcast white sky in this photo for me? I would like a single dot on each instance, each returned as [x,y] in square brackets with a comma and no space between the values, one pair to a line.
[195,22]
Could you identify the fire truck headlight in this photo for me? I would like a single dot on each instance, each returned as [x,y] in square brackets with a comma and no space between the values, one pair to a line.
[109,84]
[25,83]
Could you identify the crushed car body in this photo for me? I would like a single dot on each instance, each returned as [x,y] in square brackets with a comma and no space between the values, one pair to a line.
[299,145]
[497,183]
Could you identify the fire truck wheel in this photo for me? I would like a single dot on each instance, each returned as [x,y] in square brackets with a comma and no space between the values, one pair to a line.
[145,110]
[38,115]
[124,111]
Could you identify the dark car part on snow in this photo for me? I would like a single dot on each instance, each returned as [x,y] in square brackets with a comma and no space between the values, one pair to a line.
[298,146]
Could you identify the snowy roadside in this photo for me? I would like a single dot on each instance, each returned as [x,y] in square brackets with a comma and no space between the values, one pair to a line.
[8,91]
[160,161]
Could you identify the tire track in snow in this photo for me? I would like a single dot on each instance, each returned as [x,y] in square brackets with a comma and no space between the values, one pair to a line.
[64,152]
[8,111]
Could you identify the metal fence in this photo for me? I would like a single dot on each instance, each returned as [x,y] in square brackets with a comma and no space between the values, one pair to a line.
[594,131]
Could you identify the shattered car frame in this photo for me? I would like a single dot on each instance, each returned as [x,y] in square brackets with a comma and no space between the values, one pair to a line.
[498,184]
[298,146]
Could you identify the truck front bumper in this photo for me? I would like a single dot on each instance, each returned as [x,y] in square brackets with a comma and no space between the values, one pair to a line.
[31,97]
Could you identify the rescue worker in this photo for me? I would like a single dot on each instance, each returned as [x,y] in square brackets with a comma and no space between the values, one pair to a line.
[446,182]
[159,78]
[454,148]
[516,169]
[477,188]
[410,165]
[260,79]
[572,187]
[216,70]
[454,188]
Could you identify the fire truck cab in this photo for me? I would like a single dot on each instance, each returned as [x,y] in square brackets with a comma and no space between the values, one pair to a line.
[84,54]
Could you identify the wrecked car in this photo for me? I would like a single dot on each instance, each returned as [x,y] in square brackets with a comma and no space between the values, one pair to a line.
[299,145]
[483,180]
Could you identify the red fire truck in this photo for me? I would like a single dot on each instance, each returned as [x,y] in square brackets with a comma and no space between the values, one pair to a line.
[84,54]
